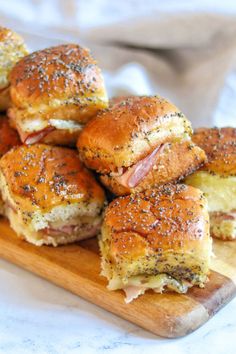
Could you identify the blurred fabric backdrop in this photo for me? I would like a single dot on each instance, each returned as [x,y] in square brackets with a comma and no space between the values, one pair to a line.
[183,50]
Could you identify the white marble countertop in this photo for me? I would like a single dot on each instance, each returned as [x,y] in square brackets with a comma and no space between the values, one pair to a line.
[38,317]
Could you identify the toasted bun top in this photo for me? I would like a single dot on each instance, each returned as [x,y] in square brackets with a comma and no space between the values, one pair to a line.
[171,218]
[118,99]
[66,72]
[128,131]
[220,147]
[43,176]
[8,136]
[12,48]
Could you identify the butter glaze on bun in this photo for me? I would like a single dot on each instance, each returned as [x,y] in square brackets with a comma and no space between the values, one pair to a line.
[8,139]
[50,197]
[131,143]
[156,239]
[12,48]
[8,136]
[55,91]
[220,147]
[217,178]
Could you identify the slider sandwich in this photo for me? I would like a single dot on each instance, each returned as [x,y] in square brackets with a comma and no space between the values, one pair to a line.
[158,239]
[50,197]
[217,178]
[8,139]
[54,92]
[12,48]
[139,143]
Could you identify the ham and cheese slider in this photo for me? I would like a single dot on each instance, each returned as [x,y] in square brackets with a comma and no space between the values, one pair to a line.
[8,139]
[139,143]
[50,197]
[158,239]
[12,48]
[54,92]
[217,178]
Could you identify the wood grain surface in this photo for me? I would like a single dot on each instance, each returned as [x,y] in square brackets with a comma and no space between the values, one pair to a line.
[77,268]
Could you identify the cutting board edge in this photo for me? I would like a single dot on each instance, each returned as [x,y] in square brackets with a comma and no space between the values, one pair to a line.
[177,327]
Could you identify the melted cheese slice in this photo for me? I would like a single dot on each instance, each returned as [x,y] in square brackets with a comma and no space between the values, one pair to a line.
[137,285]
[220,191]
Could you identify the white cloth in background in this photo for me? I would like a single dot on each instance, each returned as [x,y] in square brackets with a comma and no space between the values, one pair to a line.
[183,50]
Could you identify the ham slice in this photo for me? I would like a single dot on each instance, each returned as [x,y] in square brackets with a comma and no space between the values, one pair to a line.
[67,229]
[38,136]
[132,292]
[85,230]
[132,177]
[218,216]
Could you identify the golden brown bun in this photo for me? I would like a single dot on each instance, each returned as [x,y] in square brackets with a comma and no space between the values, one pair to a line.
[43,176]
[12,48]
[8,139]
[1,206]
[119,99]
[223,225]
[50,198]
[5,100]
[220,147]
[49,135]
[62,137]
[128,131]
[161,231]
[171,217]
[217,179]
[62,83]
[176,161]
[8,136]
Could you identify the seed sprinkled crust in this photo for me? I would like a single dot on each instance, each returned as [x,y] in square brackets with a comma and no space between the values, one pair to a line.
[220,147]
[44,176]
[59,87]
[12,49]
[163,231]
[128,131]
[169,216]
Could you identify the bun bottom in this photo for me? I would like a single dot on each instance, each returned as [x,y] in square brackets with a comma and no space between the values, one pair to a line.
[62,137]
[223,225]
[4,99]
[1,206]
[158,240]
[175,161]
[83,228]
[220,192]
[52,132]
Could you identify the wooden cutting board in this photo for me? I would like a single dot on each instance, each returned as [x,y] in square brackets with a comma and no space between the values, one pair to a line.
[76,268]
